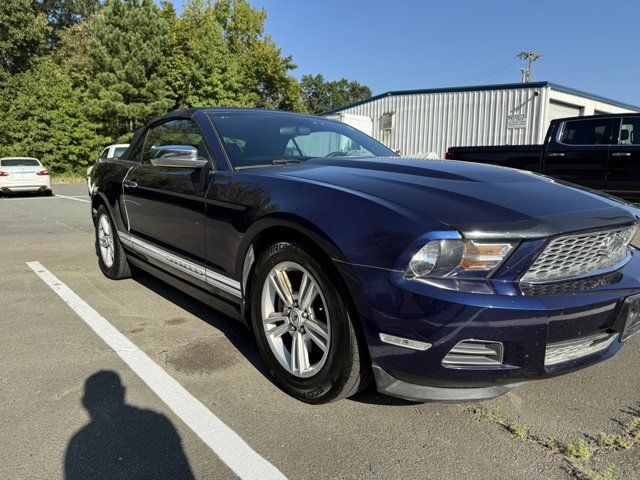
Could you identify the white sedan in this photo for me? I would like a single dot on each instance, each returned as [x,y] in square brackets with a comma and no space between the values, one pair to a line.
[112,151]
[24,174]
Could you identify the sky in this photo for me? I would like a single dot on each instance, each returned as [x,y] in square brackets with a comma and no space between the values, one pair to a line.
[409,44]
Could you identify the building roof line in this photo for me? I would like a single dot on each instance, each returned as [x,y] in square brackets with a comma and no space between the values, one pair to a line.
[498,86]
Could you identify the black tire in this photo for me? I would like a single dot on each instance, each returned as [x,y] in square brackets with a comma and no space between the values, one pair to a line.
[120,268]
[346,370]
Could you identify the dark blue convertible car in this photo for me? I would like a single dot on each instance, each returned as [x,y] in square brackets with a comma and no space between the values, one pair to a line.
[440,280]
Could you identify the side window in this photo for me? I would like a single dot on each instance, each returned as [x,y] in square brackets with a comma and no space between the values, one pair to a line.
[587,132]
[173,132]
[630,131]
[104,153]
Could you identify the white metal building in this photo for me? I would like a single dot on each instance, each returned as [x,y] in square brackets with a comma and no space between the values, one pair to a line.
[427,122]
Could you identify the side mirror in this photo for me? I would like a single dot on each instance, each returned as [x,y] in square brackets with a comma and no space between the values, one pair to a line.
[180,156]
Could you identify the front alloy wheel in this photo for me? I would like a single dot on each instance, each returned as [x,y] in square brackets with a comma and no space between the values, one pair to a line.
[296,319]
[303,327]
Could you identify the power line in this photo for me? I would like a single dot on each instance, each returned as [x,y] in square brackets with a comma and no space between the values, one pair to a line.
[507,63]
[497,73]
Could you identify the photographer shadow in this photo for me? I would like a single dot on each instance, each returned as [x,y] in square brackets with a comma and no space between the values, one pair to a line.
[122,441]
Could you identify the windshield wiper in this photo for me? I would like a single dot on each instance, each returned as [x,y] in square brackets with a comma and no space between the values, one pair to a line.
[286,161]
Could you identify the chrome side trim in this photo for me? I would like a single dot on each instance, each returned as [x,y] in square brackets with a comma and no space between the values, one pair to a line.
[214,279]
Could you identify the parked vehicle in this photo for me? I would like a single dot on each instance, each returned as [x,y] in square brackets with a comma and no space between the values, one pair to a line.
[600,152]
[114,151]
[24,174]
[110,152]
[445,280]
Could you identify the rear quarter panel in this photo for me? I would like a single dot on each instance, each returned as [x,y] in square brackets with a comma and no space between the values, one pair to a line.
[107,178]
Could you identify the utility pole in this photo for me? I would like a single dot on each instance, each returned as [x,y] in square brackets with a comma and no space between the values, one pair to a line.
[531,56]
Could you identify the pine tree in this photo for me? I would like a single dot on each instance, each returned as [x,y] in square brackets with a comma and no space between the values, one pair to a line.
[129,66]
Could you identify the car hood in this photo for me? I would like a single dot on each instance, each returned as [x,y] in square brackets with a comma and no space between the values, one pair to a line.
[481,201]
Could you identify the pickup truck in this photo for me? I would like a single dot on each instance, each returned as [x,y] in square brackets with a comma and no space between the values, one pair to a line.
[600,152]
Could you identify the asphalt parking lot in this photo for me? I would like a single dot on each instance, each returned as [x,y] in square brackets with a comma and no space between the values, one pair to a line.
[64,415]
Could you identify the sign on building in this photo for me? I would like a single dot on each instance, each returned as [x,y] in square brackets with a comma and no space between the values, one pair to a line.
[518,120]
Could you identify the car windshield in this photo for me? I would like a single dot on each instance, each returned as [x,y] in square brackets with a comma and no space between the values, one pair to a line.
[254,139]
[118,151]
[20,162]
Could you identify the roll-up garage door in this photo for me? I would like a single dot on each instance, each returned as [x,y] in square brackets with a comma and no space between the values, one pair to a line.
[561,110]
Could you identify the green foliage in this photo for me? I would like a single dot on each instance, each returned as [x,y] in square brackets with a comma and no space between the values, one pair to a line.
[76,75]
[606,474]
[550,443]
[202,70]
[264,71]
[43,117]
[606,440]
[23,35]
[519,430]
[128,59]
[320,95]
[62,14]
[579,449]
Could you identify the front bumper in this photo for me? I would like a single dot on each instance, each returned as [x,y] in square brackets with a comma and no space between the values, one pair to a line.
[532,326]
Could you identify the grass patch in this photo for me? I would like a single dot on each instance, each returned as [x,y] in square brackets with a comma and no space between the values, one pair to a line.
[606,474]
[519,430]
[605,440]
[550,443]
[578,449]
[68,178]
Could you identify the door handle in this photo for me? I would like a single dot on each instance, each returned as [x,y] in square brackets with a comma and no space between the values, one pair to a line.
[555,154]
[621,154]
[130,183]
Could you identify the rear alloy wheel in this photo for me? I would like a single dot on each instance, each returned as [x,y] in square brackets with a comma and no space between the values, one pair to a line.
[303,328]
[112,258]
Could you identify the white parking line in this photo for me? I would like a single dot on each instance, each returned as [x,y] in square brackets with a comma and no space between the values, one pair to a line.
[72,198]
[225,443]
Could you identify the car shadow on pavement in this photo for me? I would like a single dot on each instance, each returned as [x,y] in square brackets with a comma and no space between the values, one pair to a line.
[233,330]
[241,338]
[18,195]
[122,441]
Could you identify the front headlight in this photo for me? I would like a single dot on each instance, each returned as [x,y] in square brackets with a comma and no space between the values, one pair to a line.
[457,258]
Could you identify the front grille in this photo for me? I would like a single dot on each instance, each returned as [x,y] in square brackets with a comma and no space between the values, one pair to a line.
[570,286]
[581,254]
[580,347]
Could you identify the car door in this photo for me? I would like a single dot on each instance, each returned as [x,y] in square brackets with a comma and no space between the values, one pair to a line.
[165,200]
[623,174]
[579,152]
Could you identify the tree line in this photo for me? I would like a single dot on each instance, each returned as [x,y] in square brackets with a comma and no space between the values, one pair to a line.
[77,75]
